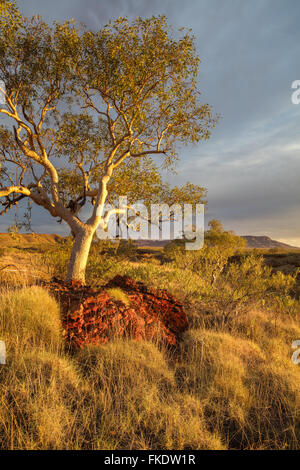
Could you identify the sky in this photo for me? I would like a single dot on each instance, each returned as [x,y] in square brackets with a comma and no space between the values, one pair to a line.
[250,55]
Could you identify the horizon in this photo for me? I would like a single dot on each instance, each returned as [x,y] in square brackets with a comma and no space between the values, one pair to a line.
[147,239]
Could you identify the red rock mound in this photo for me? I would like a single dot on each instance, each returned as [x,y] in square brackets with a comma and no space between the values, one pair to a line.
[93,317]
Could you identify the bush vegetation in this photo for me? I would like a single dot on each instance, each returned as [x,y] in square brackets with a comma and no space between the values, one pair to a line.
[230,385]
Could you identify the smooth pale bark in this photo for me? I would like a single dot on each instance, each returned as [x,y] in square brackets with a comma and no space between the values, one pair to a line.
[84,235]
[79,255]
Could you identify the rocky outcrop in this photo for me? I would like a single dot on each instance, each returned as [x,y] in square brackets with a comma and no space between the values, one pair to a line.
[95,317]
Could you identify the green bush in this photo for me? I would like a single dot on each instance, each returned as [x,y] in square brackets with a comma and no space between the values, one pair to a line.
[99,262]
[127,249]
[210,261]
[241,287]
[56,258]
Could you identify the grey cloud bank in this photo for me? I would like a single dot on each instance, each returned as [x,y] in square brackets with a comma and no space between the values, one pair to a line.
[249,58]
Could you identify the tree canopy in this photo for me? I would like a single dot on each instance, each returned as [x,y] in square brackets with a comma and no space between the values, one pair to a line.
[87,112]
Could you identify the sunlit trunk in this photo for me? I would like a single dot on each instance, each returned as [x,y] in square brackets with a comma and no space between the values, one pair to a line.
[79,255]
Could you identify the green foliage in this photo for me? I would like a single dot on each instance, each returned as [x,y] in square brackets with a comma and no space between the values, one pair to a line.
[245,285]
[127,249]
[10,17]
[56,258]
[98,266]
[100,261]
[33,56]
[232,282]
[119,295]
[85,107]
[209,261]
[151,77]
[13,230]
[142,77]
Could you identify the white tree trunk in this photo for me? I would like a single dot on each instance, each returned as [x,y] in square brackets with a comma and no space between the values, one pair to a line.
[79,255]
[84,234]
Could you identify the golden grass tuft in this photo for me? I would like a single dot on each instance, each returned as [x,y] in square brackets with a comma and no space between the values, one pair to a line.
[119,295]
[250,395]
[29,317]
[234,389]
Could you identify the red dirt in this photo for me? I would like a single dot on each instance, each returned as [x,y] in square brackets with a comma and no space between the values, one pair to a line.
[94,317]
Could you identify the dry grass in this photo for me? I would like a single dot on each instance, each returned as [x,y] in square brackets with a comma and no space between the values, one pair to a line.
[229,387]
[119,295]
[123,395]
[220,390]
[250,395]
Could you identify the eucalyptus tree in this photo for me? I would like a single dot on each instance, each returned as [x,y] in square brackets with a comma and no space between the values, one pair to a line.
[86,112]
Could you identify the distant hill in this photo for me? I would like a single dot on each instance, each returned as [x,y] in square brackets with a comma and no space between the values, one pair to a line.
[265,242]
[34,239]
[28,240]
[253,241]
